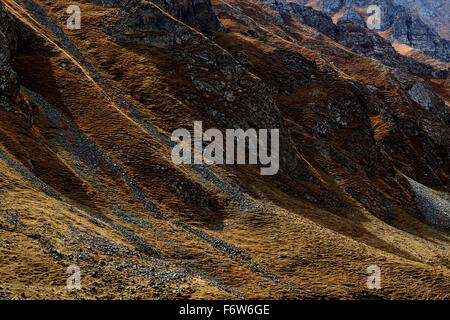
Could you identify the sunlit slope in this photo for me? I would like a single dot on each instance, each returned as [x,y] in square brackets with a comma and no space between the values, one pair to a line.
[87,177]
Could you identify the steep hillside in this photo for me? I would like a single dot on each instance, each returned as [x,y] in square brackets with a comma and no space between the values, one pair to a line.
[87,179]
[433,12]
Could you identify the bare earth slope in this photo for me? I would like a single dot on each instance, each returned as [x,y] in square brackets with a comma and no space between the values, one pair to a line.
[86,176]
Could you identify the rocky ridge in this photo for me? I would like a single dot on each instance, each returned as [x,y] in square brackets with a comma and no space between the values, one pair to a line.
[403,25]
[358,38]
[9,87]
[90,163]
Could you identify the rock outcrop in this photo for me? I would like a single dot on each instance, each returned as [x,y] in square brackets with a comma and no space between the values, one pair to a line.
[9,86]
[195,13]
[353,16]
[368,43]
[352,34]
[412,31]
[90,181]
[331,6]
[405,25]
[435,13]
[404,130]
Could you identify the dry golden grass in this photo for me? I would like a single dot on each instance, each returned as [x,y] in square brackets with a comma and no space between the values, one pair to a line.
[293,247]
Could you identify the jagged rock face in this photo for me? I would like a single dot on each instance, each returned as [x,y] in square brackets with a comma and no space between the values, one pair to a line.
[144,22]
[370,44]
[233,104]
[389,10]
[305,15]
[331,6]
[109,3]
[419,94]
[353,16]
[91,181]
[365,42]
[196,13]
[422,93]
[433,12]
[403,130]
[314,19]
[9,86]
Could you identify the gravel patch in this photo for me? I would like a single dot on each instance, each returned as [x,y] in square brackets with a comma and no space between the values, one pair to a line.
[434,205]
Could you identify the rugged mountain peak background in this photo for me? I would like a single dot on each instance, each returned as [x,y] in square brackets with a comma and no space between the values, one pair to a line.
[196,13]
[9,88]
[87,178]
[411,24]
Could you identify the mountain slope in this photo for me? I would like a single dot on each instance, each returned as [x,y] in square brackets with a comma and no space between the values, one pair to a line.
[434,13]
